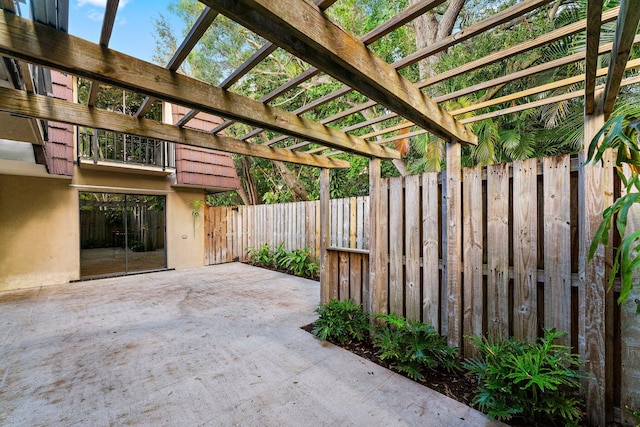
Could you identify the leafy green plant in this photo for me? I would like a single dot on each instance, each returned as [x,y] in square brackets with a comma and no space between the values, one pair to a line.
[196,206]
[262,256]
[620,133]
[300,262]
[412,346]
[635,414]
[536,383]
[342,321]
[280,255]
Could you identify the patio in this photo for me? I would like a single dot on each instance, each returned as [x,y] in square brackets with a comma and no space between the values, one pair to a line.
[218,345]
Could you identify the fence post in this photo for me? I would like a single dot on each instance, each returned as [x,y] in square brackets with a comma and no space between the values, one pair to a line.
[593,319]
[376,255]
[453,252]
[325,224]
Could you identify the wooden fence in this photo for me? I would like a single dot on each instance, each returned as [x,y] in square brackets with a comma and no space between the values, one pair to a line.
[518,261]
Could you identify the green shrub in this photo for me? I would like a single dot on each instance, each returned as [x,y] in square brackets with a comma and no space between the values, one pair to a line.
[536,383]
[261,256]
[342,321]
[411,346]
[300,262]
[280,255]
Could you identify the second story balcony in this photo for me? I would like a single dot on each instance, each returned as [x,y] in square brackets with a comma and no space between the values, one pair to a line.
[103,148]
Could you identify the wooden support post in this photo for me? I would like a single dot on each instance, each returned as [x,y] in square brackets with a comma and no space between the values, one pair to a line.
[454,245]
[630,333]
[592,322]
[325,233]
[377,253]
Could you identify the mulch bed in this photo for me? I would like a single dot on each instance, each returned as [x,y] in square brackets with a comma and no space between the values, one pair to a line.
[458,386]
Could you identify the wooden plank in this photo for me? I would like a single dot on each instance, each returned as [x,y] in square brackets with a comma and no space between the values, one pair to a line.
[48,108]
[340,223]
[557,245]
[525,254]
[430,247]
[492,21]
[360,220]
[353,212]
[498,250]
[537,89]
[594,11]
[344,276]
[412,242]
[567,30]
[304,31]
[42,45]
[317,208]
[355,277]
[346,217]
[626,28]
[473,247]
[591,326]
[540,103]
[367,224]
[396,244]
[454,245]
[377,287]
[334,223]
[325,236]
[207,235]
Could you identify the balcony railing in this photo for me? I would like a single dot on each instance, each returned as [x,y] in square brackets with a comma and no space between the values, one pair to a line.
[103,145]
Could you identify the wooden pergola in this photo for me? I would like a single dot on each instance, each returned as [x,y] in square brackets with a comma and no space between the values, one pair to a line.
[301,28]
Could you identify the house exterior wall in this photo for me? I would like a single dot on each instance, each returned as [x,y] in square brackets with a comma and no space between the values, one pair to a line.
[39,216]
[39,232]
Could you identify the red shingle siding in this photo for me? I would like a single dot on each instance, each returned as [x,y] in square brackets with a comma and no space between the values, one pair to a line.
[59,146]
[200,166]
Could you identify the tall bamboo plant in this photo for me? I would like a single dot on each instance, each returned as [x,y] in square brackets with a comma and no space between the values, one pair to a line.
[621,133]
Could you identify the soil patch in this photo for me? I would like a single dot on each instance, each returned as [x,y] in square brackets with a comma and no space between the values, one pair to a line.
[460,386]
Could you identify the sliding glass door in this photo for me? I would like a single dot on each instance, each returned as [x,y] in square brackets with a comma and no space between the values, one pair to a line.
[121,234]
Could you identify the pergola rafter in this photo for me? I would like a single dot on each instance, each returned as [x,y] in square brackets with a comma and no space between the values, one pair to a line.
[108,66]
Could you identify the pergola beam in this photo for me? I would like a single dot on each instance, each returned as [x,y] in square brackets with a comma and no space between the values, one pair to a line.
[48,47]
[105,35]
[594,12]
[567,30]
[303,30]
[626,28]
[500,81]
[196,32]
[48,108]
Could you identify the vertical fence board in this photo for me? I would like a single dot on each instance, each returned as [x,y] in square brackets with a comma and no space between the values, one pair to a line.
[454,245]
[396,278]
[472,244]
[430,246]
[360,223]
[355,277]
[412,240]
[557,246]
[353,226]
[498,250]
[525,254]
[344,275]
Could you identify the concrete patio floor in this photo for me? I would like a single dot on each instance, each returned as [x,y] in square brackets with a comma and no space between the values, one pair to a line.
[212,346]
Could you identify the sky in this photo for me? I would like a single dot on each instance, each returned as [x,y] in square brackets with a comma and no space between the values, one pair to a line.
[133,28]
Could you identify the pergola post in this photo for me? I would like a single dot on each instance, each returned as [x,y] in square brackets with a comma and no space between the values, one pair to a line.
[325,235]
[453,254]
[377,253]
[594,321]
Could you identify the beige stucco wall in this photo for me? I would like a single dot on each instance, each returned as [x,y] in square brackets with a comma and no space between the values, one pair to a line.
[39,224]
[39,242]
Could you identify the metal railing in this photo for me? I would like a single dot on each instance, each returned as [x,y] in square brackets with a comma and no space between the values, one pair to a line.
[103,145]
